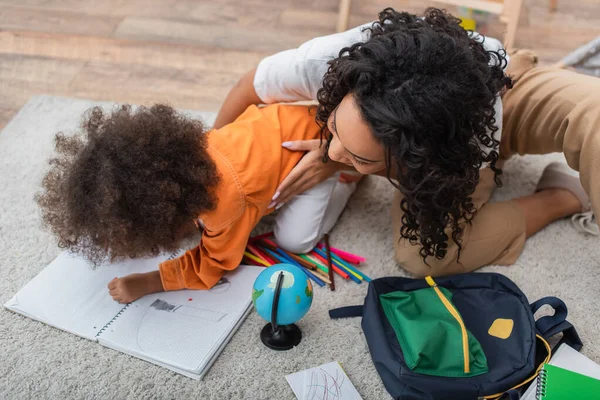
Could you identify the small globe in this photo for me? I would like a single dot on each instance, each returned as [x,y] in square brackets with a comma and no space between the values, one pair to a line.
[295,298]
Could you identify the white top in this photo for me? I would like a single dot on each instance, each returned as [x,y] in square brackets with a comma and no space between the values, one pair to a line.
[297,74]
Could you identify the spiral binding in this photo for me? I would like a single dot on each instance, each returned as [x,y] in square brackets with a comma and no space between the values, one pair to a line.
[105,327]
[172,256]
[175,254]
[540,391]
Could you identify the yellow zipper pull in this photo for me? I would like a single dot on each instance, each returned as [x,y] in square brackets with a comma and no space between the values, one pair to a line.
[430,281]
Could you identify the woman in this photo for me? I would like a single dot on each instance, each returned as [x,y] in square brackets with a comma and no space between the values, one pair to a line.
[417,100]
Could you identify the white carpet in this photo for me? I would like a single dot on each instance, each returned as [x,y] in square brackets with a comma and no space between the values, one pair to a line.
[37,361]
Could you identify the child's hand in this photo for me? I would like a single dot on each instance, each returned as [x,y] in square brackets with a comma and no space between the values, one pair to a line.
[132,287]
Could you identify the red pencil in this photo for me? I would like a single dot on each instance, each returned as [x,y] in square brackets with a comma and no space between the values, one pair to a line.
[260,254]
[324,262]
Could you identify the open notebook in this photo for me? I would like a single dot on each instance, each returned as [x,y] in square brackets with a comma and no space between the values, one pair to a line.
[183,331]
[568,358]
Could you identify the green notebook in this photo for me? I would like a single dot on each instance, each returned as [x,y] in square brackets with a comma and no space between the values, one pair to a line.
[555,383]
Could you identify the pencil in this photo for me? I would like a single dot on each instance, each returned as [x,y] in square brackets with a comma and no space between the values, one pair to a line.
[283,259]
[260,254]
[344,267]
[247,261]
[297,264]
[256,259]
[349,257]
[307,264]
[329,265]
[351,268]
[352,276]
[306,257]
[269,242]
[301,261]
[318,256]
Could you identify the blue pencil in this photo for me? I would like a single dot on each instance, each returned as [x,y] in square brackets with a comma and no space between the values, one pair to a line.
[297,264]
[350,267]
[282,257]
[341,266]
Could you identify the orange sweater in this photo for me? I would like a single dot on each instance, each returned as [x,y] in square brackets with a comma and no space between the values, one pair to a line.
[252,164]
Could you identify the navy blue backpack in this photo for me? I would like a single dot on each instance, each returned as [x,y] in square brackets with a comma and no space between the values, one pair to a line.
[468,337]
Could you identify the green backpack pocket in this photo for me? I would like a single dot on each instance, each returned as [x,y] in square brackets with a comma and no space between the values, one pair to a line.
[431,333]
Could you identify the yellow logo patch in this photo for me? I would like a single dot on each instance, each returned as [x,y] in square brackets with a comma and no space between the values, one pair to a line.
[501,328]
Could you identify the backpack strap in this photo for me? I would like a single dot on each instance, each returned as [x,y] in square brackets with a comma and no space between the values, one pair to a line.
[346,312]
[551,325]
[512,394]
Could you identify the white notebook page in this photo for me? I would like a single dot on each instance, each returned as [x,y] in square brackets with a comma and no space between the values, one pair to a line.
[68,294]
[183,329]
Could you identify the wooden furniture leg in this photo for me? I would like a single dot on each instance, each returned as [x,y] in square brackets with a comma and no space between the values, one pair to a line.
[343,15]
[513,12]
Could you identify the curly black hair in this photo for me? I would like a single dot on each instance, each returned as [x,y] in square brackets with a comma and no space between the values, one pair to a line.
[427,89]
[130,183]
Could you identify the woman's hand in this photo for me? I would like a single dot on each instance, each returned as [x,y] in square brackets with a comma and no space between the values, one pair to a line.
[310,170]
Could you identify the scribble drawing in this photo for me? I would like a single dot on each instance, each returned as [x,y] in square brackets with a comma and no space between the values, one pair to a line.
[222,286]
[164,321]
[325,386]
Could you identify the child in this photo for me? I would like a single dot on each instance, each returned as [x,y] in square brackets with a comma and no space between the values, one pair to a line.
[136,183]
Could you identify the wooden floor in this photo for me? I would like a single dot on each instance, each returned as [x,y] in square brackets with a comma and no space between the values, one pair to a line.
[191,52]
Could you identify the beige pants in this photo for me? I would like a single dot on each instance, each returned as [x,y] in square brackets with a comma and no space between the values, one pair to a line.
[547,110]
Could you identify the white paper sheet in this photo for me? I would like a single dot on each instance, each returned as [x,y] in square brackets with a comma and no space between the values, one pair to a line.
[325,382]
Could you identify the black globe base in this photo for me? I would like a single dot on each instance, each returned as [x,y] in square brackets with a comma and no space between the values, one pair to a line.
[284,338]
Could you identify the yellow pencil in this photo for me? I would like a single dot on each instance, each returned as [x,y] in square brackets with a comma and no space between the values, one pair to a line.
[254,258]
[347,270]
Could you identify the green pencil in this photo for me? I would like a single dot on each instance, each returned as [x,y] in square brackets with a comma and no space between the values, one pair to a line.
[310,260]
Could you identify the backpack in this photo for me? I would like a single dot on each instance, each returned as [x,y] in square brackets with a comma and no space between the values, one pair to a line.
[470,336]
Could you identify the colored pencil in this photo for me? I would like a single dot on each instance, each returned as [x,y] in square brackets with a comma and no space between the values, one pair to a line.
[302,261]
[356,278]
[344,267]
[269,242]
[256,259]
[307,264]
[336,269]
[344,255]
[317,264]
[290,260]
[246,260]
[270,245]
[283,259]
[329,265]
[351,268]
[260,254]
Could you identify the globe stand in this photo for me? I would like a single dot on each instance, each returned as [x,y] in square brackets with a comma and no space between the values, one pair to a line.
[279,337]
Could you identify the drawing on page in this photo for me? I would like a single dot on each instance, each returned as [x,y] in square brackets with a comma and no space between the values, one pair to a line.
[222,286]
[172,320]
[323,385]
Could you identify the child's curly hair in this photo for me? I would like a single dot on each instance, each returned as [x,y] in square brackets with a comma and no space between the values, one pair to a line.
[130,184]
[427,90]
